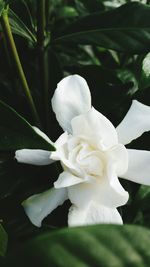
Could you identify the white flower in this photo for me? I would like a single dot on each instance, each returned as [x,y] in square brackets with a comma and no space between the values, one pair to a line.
[93,156]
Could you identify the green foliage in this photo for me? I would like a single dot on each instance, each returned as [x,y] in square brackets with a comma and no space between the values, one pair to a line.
[17,133]
[101,245]
[113,29]
[108,43]
[141,208]
[19,28]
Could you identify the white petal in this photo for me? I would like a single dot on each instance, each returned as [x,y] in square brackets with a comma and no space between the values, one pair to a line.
[66,179]
[37,207]
[63,138]
[62,153]
[107,193]
[71,98]
[39,132]
[60,147]
[93,214]
[115,189]
[33,156]
[119,158]
[139,166]
[135,123]
[95,126]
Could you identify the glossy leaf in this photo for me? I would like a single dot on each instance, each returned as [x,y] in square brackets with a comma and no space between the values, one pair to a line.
[17,133]
[101,245]
[125,29]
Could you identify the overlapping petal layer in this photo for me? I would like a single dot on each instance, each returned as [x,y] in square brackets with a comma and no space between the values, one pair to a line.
[96,127]
[66,179]
[94,213]
[105,193]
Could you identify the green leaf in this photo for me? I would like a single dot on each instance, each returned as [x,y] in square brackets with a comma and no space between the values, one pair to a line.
[145,73]
[3,241]
[99,246]
[93,6]
[19,28]
[142,199]
[17,133]
[104,82]
[125,29]
[139,208]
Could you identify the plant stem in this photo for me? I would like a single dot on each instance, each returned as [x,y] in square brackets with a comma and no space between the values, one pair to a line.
[16,60]
[40,22]
[42,57]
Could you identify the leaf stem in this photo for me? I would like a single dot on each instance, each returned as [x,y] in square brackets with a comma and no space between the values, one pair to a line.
[11,43]
[43,57]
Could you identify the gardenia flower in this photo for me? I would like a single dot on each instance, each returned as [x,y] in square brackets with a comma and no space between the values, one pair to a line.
[93,156]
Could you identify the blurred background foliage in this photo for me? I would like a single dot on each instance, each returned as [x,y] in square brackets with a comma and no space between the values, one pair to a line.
[106,42]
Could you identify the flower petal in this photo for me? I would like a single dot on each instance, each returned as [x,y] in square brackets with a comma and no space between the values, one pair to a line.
[105,192]
[93,214]
[139,166]
[135,123]
[37,207]
[71,98]
[115,190]
[66,179]
[60,145]
[33,156]
[95,126]
[119,157]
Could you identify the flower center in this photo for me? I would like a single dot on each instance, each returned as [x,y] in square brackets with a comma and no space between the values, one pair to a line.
[87,159]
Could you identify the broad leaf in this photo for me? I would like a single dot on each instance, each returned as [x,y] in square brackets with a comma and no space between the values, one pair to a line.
[3,241]
[125,29]
[101,245]
[17,133]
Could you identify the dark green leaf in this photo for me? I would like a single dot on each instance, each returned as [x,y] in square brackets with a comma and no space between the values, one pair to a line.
[125,29]
[99,246]
[17,133]
[104,82]
[140,206]
[3,241]
[142,198]
[19,28]
[93,6]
